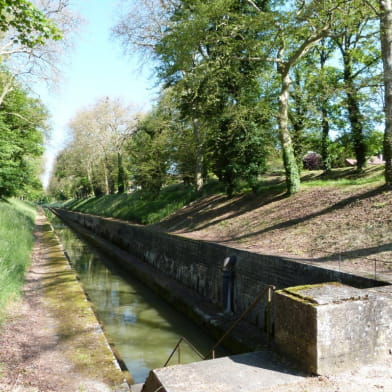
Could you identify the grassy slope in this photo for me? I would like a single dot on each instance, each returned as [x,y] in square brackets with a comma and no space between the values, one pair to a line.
[16,241]
[343,216]
[136,207]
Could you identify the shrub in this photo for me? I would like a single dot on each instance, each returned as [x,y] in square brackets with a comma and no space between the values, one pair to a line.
[312,161]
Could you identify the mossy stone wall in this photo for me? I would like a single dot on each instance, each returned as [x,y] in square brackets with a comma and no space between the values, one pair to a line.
[198,264]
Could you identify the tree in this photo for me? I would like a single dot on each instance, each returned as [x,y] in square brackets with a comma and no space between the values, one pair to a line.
[216,88]
[32,41]
[358,45]
[325,83]
[149,153]
[385,15]
[22,124]
[114,124]
[30,26]
[93,162]
[143,27]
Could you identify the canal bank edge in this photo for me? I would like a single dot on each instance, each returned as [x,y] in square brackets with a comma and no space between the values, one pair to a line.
[86,344]
[246,337]
[188,274]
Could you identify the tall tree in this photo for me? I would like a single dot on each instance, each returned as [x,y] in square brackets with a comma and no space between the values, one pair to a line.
[149,152]
[386,45]
[22,124]
[99,134]
[202,58]
[264,32]
[142,27]
[359,49]
[326,83]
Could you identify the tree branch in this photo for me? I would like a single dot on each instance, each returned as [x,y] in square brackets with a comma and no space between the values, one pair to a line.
[253,4]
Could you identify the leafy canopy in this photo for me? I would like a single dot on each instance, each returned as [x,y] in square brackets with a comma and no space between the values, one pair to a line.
[32,26]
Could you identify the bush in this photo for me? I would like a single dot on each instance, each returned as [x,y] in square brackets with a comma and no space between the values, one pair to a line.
[312,161]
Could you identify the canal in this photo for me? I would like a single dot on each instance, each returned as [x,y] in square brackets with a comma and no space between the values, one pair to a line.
[143,327]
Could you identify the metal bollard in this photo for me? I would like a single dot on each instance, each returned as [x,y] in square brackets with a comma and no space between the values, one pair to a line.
[228,280]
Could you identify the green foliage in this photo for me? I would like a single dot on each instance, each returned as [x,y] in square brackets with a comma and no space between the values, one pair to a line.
[32,26]
[16,240]
[242,80]
[149,157]
[22,123]
[238,148]
[374,141]
[205,59]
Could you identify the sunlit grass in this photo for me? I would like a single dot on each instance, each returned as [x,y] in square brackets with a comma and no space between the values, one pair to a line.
[16,241]
[136,207]
[344,177]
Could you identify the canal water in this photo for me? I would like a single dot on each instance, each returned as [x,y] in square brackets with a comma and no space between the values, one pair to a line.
[143,327]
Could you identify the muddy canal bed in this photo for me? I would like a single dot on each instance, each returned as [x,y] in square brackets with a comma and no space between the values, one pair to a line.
[143,327]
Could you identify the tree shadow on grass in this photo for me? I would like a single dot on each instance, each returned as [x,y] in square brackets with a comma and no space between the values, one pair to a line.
[211,211]
[293,222]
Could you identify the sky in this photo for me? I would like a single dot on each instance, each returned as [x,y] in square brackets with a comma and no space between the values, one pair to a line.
[96,67]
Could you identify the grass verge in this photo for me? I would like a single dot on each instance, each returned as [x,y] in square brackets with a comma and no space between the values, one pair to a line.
[138,207]
[135,207]
[16,241]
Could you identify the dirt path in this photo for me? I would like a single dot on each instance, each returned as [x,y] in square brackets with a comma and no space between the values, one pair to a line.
[38,354]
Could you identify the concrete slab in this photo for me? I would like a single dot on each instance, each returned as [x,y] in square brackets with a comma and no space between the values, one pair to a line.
[326,293]
[136,387]
[246,372]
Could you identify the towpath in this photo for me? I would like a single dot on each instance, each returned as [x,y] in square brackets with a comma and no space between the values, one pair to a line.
[51,340]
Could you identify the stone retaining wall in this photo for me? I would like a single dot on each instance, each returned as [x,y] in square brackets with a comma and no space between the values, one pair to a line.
[198,264]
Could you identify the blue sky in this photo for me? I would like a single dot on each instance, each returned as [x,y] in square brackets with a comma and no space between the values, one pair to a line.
[95,68]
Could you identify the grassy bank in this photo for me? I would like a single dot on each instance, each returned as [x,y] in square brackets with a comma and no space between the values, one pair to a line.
[136,207]
[342,217]
[139,208]
[16,241]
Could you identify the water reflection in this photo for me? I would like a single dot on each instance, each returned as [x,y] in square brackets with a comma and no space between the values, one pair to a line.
[144,328]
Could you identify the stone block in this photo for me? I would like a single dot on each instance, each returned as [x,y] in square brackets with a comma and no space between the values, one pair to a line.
[331,327]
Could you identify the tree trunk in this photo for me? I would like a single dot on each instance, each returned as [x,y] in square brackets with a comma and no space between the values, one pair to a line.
[325,137]
[7,88]
[386,46]
[297,120]
[325,128]
[106,180]
[290,164]
[121,174]
[89,178]
[354,113]
[199,166]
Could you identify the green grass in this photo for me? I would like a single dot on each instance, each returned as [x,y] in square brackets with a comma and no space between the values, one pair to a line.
[344,177]
[16,242]
[135,207]
[139,208]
